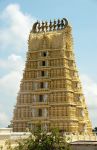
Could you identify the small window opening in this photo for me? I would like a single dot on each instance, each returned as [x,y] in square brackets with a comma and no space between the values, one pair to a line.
[40,112]
[41,85]
[42,73]
[40,98]
[43,63]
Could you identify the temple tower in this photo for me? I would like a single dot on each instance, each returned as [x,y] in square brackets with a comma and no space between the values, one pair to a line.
[50,91]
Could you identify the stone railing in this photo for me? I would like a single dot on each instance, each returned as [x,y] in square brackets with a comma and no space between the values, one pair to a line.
[78,137]
[12,137]
[72,137]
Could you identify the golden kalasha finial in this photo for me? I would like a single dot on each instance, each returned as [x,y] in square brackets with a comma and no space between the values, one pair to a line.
[62,24]
[34,27]
[42,26]
[58,24]
[46,26]
[50,26]
[39,27]
[54,25]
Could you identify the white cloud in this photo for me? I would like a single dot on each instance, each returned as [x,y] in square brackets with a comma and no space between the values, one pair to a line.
[10,83]
[12,62]
[9,86]
[4,119]
[90,91]
[16,28]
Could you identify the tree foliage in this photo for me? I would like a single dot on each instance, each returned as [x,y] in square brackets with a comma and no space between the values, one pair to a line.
[41,140]
[44,141]
[95,130]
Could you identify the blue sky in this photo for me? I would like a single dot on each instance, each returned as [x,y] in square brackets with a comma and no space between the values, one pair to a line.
[16,19]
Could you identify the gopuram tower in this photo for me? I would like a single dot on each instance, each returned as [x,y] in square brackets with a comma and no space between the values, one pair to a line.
[50,91]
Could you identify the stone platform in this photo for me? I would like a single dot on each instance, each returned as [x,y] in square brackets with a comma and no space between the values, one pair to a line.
[84,145]
[78,142]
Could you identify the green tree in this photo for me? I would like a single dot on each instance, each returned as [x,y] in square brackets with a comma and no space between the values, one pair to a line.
[44,141]
[95,130]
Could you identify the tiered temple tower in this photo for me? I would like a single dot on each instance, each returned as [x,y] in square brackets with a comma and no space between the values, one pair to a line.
[50,91]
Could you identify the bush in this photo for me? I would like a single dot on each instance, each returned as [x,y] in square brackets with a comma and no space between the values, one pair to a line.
[44,141]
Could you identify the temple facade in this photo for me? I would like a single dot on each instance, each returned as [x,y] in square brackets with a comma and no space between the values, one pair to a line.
[50,94]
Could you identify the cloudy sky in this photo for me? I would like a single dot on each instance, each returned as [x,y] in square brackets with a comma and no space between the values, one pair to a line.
[16,19]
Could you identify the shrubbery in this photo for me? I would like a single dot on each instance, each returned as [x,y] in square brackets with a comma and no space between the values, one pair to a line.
[43,141]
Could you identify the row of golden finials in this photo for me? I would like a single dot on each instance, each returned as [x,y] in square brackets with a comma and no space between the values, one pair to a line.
[45,26]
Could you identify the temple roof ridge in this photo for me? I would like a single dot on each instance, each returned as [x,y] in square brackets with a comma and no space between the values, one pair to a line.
[44,26]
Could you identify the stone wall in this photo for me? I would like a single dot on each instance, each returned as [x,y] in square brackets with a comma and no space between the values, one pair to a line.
[84,145]
[78,142]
